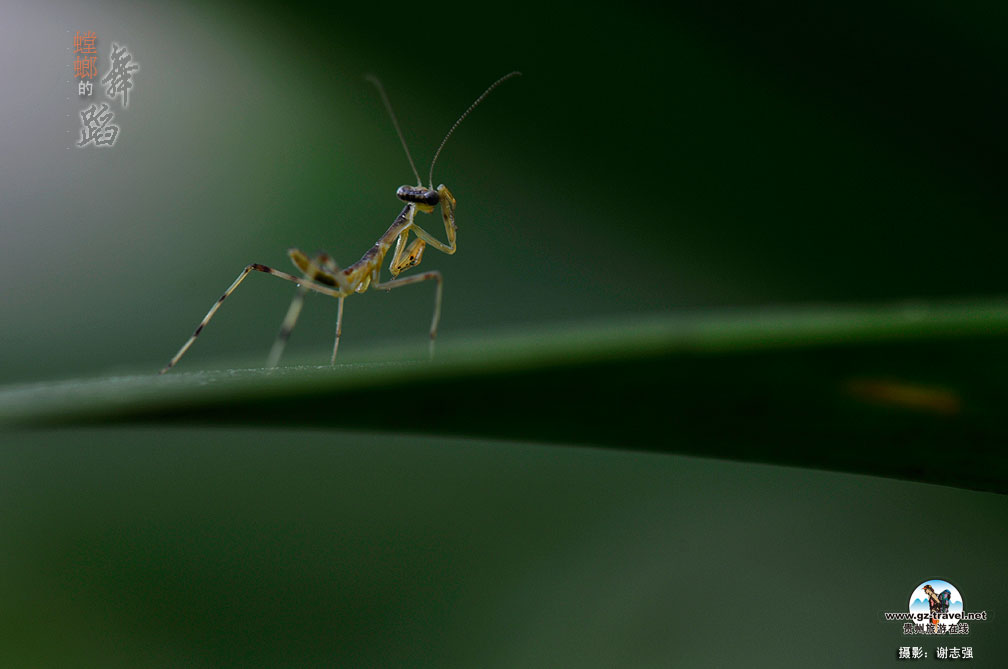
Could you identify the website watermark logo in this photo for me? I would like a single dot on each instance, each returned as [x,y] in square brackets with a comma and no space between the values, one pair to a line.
[936,608]
[937,601]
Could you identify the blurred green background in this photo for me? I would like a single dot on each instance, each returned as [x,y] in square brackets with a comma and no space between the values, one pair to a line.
[205,547]
[652,159]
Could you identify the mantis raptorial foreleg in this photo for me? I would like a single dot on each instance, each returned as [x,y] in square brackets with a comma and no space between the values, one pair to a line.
[448,214]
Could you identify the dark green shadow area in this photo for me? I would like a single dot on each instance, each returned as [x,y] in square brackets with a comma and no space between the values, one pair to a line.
[907,391]
[140,546]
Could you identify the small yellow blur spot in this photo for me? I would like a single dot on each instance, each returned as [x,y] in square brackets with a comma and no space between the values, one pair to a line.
[904,395]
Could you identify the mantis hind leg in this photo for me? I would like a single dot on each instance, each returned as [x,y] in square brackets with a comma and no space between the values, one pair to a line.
[339,331]
[321,268]
[286,327]
[253,267]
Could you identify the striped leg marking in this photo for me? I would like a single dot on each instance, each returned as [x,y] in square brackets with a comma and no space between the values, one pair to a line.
[289,321]
[304,283]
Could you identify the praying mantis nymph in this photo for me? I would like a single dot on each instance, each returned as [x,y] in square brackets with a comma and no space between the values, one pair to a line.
[321,274]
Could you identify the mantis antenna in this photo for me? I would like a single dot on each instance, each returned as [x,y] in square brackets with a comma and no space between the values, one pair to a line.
[466,113]
[388,106]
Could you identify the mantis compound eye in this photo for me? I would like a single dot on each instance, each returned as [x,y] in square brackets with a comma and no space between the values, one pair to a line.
[418,195]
